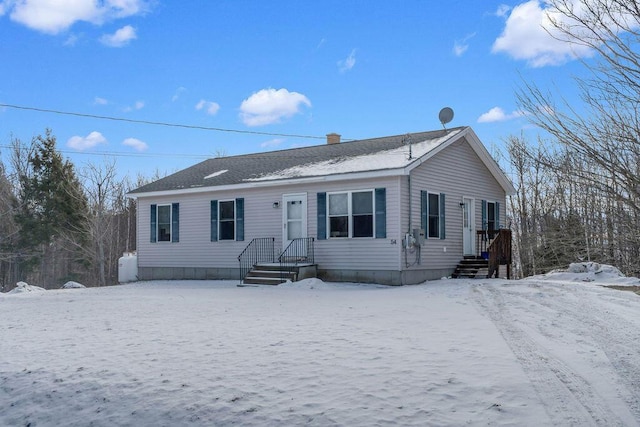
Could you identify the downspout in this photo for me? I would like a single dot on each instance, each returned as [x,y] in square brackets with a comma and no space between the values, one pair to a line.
[404,246]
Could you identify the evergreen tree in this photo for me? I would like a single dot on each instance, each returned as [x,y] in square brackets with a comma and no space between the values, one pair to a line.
[51,212]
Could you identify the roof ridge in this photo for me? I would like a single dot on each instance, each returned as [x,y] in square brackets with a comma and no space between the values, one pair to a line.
[350,141]
[323,159]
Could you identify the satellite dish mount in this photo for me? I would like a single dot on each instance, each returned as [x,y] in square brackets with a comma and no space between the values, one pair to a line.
[445,116]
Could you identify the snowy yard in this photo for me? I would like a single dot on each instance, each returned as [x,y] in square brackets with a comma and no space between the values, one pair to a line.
[552,350]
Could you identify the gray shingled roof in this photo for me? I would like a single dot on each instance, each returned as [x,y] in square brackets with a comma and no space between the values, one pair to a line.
[248,167]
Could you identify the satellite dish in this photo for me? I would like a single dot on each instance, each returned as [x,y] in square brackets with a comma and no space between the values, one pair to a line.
[445,116]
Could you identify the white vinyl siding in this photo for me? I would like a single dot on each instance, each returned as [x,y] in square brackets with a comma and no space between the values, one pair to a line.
[456,172]
[261,219]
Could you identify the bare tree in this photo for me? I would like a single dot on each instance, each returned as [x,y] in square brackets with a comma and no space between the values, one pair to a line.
[100,185]
[608,131]
[596,163]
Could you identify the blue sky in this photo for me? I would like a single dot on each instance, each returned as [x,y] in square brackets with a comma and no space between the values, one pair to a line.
[264,69]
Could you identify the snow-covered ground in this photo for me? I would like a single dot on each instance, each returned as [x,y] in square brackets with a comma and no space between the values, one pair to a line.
[558,349]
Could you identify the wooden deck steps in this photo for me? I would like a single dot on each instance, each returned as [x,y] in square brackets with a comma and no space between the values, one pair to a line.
[276,273]
[472,267]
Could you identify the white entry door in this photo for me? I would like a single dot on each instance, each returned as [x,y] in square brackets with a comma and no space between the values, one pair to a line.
[468,229]
[294,218]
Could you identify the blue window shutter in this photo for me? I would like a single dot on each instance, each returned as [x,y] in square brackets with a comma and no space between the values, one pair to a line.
[322,216]
[214,220]
[175,222]
[484,215]
[498,215]
[442,211]
[153,223]
[424,213]
[240,219]
[381,213]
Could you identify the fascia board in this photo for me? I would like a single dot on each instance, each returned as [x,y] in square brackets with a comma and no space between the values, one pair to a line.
[273,183]
[479,148]
[489,161]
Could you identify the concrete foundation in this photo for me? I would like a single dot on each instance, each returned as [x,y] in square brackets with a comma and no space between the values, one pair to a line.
[382,277]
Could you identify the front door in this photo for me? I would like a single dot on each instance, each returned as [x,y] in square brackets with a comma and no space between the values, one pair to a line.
[294,218]
[468,236]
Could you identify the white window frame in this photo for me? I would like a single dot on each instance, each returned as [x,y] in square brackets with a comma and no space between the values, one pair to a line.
[350,215]
[428,231]
[169,205]
[220,221]
[496,226]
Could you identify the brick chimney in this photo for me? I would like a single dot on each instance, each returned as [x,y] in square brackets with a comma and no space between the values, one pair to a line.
[333,138]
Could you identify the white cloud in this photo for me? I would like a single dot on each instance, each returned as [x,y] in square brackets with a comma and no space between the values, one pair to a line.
[124,8]
[139,105]
[497,114]
[459,49]
[269,106]
[120,38]
[210,107]
[461,46]
[83,143]
[348,63]
[71,40]
[272,143]
[503,9]
[178,93]
[136,144]
[526,37]
[55,16]
[100,101]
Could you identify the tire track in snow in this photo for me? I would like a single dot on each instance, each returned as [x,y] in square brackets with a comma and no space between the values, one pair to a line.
[621,344]
[568,397]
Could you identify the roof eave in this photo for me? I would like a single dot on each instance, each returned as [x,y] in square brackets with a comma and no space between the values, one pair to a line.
[489,161]
[271,183]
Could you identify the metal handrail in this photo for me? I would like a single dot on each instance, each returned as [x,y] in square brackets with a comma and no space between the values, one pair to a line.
[299,251]
[260,249]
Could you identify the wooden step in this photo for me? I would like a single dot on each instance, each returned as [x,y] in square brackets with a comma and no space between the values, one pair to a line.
[472,267]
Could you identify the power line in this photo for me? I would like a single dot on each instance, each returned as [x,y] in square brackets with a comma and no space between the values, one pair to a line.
[154,123]
[122,154]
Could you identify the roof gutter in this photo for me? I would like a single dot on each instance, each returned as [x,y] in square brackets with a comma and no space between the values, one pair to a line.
[271,183]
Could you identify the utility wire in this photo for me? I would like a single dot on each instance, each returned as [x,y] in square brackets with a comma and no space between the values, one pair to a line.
[149,122]
[123,154]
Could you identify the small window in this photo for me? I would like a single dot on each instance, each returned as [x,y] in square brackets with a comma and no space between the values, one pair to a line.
[164,223]
[434,215]
[491,216]
[351,214]
[339,215]
[227,220]
[362,206]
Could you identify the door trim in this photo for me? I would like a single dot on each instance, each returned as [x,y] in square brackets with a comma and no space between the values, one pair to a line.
[285,220]
[468,233]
